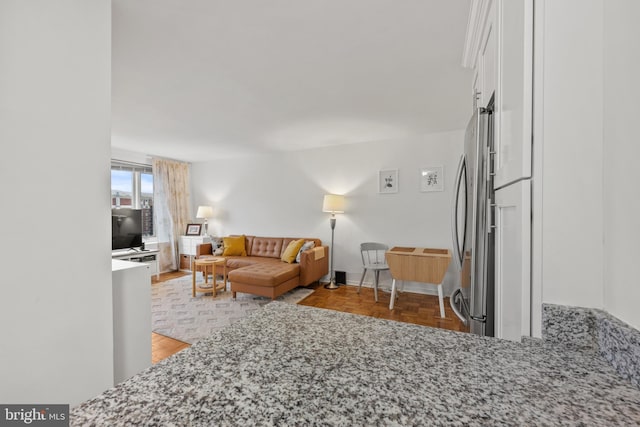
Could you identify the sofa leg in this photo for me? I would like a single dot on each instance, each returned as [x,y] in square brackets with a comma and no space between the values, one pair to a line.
[233,295]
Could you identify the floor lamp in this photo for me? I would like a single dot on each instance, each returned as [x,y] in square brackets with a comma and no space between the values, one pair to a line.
[334,204]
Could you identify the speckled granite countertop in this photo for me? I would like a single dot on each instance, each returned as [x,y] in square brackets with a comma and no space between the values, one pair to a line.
[291,365]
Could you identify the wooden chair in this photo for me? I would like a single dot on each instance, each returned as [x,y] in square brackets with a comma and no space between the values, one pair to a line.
[373,258]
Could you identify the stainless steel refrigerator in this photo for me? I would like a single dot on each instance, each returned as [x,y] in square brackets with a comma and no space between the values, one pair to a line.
[472,232]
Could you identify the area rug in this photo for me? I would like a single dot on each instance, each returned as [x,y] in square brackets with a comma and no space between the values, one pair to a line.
[176,314]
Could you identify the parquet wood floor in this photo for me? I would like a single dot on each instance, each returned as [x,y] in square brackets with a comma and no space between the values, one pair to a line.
[163,347]
[413,308]
[409,307]
[168,276]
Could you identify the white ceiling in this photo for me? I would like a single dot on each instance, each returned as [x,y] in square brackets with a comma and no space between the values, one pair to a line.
[204,79]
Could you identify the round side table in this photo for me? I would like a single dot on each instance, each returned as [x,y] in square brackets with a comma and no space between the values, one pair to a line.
[206,264]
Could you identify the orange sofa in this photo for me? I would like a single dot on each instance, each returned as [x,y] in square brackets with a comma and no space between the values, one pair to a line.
[262,272]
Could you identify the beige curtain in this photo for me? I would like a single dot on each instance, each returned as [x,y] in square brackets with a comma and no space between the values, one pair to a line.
[171,201]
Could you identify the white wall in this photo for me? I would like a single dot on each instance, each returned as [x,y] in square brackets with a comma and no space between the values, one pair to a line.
[621,156]
[587,154]
[281,195]
[571,211]
[55,303]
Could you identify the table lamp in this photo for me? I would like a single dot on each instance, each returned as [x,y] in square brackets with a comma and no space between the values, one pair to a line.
[205,212]
[334,204]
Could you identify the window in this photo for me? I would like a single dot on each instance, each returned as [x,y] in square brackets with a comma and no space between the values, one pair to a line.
[132,187]
[121,188]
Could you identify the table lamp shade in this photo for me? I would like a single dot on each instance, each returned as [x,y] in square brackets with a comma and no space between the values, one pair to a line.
[333,203]
[204,212]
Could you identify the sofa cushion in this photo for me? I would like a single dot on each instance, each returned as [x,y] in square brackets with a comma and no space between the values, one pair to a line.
[244,261]
[309,244]
[239,262]
[287,240]
[234,246]
[248,243]
[265,274]
[268,247]
[289,254]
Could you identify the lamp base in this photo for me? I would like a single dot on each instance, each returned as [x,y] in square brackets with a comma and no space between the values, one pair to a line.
[331,285]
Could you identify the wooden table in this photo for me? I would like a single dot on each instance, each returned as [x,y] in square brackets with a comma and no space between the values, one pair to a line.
[422,265]
[207,263]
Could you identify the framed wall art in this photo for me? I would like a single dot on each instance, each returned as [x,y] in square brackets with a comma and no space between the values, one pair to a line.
[388,181]
[432,179]
[193,229]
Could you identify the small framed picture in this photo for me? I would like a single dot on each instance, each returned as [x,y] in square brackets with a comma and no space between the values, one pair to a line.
[193,229]
[388,181]
[431,179]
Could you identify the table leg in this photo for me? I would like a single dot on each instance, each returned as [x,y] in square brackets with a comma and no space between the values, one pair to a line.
[224,275]
[441,300]
[214,283]
[393,294]
[193,280]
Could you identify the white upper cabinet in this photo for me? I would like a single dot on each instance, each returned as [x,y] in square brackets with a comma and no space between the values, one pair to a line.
[476,90]
[514,92]
[499,47]
[487,59]
[480,50]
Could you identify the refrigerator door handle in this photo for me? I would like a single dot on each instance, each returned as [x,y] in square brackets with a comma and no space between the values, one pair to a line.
[458,252]
[489,174]
[490,223]
[478,229]
[456,297]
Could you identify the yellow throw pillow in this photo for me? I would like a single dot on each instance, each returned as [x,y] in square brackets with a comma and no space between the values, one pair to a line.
[234,246]
[289,254]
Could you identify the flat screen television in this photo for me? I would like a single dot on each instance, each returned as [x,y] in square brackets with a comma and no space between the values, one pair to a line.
[126,228]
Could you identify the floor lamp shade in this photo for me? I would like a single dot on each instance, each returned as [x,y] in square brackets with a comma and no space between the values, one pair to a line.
[333,203]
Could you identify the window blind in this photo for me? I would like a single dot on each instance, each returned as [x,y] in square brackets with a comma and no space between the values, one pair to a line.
[130,166]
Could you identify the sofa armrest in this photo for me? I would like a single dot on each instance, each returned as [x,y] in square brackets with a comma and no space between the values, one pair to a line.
[203,249]
[314,264]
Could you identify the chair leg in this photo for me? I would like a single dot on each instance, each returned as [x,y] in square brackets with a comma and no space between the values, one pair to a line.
[441,300]
[375,284]
[362,279]
[393,294]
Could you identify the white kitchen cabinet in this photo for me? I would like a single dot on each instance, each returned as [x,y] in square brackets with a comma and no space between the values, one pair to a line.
[480,50]
[487,58]
[476,93]
[513,106]
[499,47]
[513,261]
[131,318]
